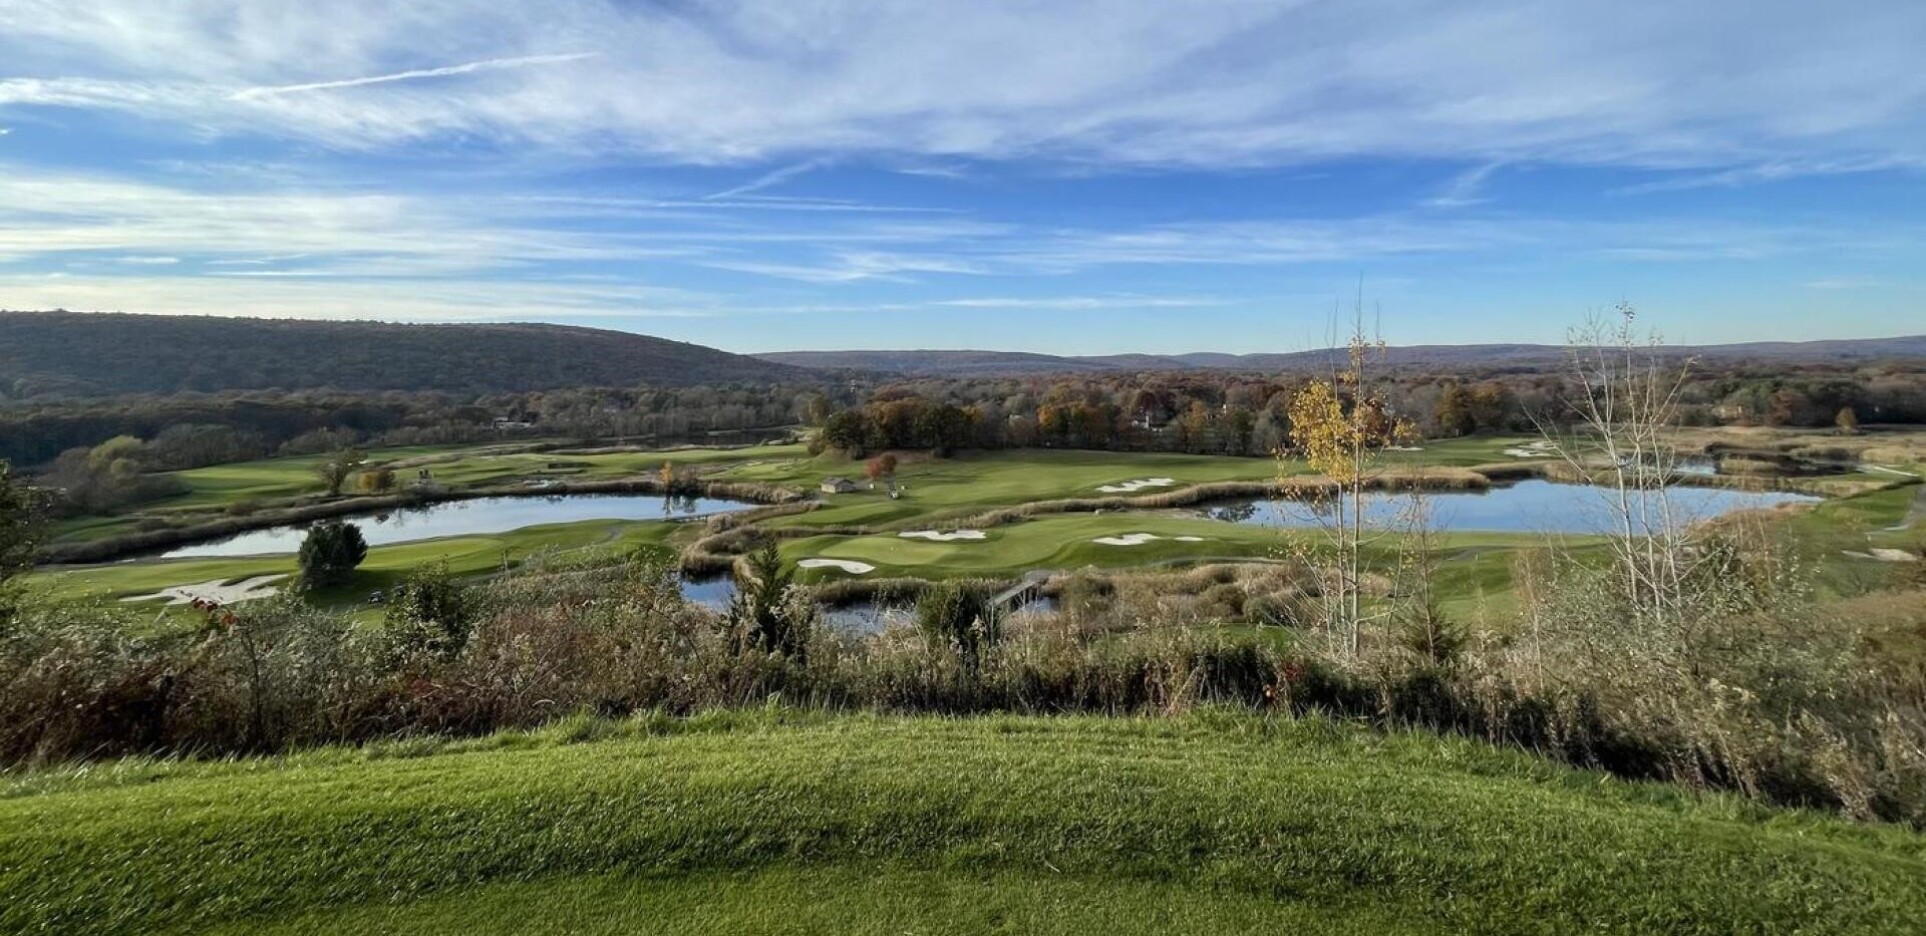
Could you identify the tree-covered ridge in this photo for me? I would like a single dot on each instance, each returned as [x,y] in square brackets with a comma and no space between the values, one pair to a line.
[99,354]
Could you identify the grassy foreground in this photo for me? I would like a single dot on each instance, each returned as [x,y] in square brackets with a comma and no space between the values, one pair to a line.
[866,824]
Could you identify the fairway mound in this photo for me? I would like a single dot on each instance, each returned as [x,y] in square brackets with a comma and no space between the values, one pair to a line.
[218,591]
[1138,539]
[935,536]
[1132,487]
[847,565]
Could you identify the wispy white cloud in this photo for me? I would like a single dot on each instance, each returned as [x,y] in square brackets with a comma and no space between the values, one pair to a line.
[1774,171]
[281,297]
[1104,82]
[1080,303]
[1844,283]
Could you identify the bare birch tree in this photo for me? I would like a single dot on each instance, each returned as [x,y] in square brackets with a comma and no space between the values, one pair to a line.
[1624,401]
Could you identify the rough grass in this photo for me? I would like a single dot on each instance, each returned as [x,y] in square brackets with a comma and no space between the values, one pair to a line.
[788,823]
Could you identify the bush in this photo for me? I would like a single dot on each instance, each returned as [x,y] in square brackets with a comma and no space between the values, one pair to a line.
[430,614]
[330,554]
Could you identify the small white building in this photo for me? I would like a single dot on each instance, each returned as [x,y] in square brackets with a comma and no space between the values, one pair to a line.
[838,486]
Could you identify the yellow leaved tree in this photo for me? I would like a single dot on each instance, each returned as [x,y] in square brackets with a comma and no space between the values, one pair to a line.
[1340,425]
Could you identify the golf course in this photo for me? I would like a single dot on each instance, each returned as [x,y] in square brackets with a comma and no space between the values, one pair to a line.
[979,515]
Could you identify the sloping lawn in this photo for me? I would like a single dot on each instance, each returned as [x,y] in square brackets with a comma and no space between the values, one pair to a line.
[779,822]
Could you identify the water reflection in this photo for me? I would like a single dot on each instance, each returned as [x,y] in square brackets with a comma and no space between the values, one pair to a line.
[1525,507]
[858,619]
[478,516]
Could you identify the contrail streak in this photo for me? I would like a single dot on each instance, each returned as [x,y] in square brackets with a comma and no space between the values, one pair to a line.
[250,94]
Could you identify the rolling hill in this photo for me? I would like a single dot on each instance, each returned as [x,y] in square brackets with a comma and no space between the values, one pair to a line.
[103,354]
[1001,363]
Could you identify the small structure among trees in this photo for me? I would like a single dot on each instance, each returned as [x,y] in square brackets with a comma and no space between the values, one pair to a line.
[838,485]
[882,468]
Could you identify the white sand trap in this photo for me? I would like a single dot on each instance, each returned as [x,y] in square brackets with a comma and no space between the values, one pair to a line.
[1891,471]
[847,565]
[1131,487]
[1138,539]
[1404,448]
[939,537]
[1539,449]
[1892,555]
[217,591]
[1127,539]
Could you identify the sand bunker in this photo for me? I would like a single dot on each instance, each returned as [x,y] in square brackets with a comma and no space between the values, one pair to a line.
[939,537]
[217,591]
[1881,555]
[1131,487]
[1138,539]
[1539,449]
[1404,448]
[847,565]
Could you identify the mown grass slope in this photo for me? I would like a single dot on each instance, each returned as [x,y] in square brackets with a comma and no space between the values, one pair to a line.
[868,824]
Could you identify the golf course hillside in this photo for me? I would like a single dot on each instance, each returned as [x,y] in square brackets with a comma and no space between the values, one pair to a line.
[976,515]
[104,354]
[799,822]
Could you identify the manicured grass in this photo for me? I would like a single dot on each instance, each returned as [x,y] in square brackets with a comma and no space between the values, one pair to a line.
[278,480]
[1473,578]
[808,823]
[972,482]
[883,900]
[384,566]
[1065,542]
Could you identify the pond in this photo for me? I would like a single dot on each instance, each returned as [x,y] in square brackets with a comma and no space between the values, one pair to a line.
[480,515]
[860,619]
[1525,507]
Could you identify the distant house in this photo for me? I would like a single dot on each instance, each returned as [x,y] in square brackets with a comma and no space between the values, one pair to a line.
[838,485]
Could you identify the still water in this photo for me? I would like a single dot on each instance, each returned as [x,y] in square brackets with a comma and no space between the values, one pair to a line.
[1525,507]
[471,517]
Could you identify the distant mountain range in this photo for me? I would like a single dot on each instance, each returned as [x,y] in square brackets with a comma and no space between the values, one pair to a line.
[1494,356]
[106,354]
[76,354]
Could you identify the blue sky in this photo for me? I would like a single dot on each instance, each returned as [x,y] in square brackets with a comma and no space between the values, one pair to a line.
[1068,177]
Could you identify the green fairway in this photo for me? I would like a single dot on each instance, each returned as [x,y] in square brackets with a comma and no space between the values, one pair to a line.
[939,489]
[274,481]
[1064,542]
[935,494]
[385,565]
[866,824]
